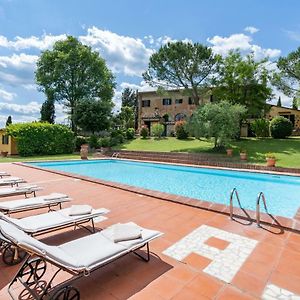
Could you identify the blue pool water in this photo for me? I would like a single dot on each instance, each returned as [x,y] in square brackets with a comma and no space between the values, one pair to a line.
[282,192]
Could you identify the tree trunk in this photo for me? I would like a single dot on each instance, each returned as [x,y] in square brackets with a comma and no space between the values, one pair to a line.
[195,96]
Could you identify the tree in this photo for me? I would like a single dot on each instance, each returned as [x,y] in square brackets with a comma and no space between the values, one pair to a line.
[127,117]
[182,65]
[220,121]
[73,72]
[243,80]
[48,109]
[93,115]
[287,79]
[8,121]
[295,103]
[279,102]
[130,99]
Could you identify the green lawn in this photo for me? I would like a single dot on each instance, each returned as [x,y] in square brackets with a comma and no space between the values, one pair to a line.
[287,151]
[34,158]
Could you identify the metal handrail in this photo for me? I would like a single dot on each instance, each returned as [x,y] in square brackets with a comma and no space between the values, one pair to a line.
[261,195]
[233,192]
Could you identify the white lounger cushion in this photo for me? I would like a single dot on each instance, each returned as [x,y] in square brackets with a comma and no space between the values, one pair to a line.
[41,222]
[78,210]
[19,190]
[98,248]
[34,201]
[11,179]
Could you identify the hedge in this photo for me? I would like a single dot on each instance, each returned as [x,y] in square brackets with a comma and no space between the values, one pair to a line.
[39,138]
[281,127]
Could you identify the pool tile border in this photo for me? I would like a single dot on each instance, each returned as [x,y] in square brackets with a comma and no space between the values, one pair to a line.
[292,224]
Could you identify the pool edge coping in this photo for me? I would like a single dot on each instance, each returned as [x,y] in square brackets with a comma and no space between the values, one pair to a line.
[292,224]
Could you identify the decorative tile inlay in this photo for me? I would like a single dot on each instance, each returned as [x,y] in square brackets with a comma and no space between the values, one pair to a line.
[274,292]
[225,263]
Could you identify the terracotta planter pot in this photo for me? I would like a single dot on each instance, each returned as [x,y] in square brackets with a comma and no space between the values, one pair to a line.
[84,151]
[243,156]
[271,162]
[4,153]
[229,152]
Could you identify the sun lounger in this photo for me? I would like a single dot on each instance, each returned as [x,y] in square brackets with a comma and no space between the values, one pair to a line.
[99,250]
[2,174]
[11,180]
[19,190]
[20,205]
[45,223]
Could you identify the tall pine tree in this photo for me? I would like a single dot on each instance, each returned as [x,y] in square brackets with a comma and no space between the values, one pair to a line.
[279,101]
[8,121]
[295,103]
[48,109]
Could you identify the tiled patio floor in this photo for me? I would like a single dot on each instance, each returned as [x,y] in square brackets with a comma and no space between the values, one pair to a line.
[271,269]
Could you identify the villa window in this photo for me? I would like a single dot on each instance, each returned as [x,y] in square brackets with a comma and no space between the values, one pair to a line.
[5,139]
[178,101]
[167,101]
[145,103]
[191,100]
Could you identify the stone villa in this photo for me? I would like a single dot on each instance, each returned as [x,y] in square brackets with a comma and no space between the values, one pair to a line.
[175,106]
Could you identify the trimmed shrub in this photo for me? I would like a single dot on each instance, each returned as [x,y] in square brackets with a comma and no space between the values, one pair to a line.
[130,134]
[260,127]
[114,141]
[157,130]
[144,132]
[80,140]
[180,130]
[38,138]
[281,127]
[104,142]
[93,141]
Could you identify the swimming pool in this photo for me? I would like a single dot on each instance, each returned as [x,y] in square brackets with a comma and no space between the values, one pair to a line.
[282,192]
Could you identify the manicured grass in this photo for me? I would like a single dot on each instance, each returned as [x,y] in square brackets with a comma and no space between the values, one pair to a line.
[34,158]
[287,151]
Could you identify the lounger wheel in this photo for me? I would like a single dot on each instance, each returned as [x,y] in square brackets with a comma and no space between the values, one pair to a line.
[32,271]
[66,293]
[12,255]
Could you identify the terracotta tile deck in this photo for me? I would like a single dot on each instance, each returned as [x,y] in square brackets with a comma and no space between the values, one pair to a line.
[273,265]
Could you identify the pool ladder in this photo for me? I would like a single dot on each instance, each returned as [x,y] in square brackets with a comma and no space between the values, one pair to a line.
[260,196]
[115,154]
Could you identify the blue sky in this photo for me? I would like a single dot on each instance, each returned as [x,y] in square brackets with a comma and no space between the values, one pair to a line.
[127,32]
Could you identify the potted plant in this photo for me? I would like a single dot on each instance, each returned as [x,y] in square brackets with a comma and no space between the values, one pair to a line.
[243,154]
[271,159]
[229,150]
[4,153]
[84,151]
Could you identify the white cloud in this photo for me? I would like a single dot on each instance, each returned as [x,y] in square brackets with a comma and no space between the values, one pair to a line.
[123,54]
[251,29]
[243,42]
[41,43]
[18,69]
[30,108]
[7,96]
[293,35]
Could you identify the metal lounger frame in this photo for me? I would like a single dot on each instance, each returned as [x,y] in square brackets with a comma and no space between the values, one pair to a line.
[48,289]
